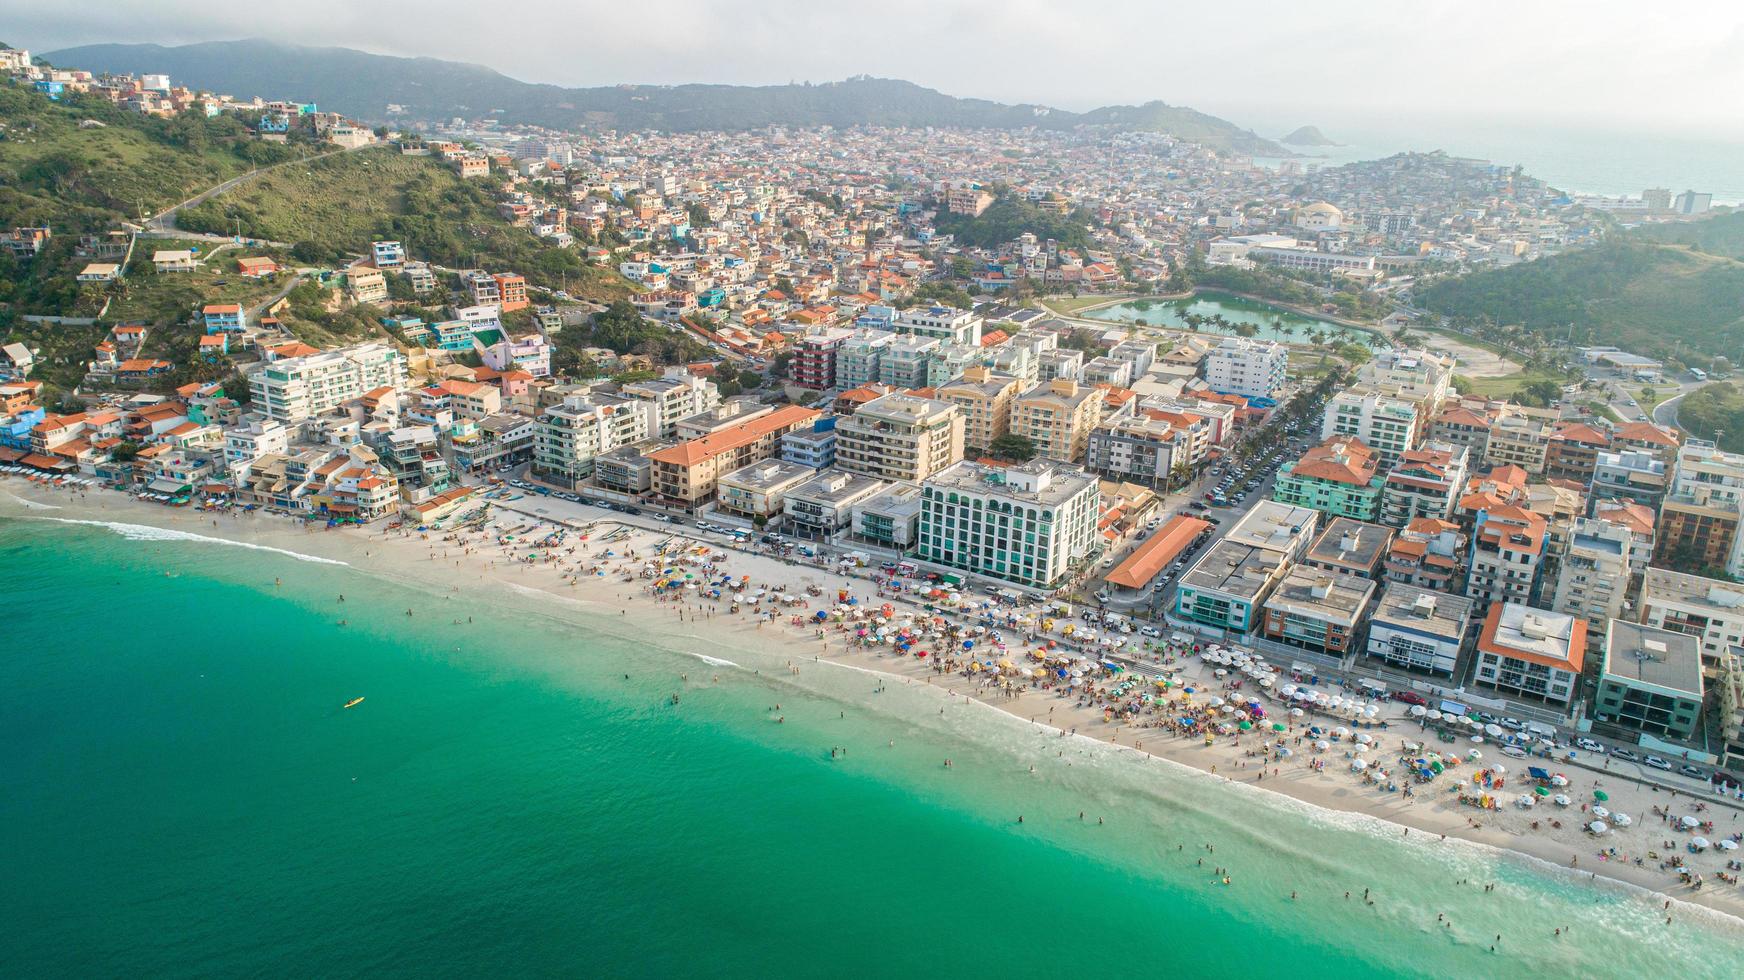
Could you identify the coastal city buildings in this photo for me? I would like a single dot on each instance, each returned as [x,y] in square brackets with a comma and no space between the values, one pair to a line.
[900,437]
[1531,654]
[1026,524]
[1419,629]
[296,388]
[1251,368]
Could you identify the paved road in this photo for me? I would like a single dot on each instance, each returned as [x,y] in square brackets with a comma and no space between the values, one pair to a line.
[1665,413]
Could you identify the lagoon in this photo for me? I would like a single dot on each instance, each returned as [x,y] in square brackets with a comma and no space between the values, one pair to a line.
[1273,322]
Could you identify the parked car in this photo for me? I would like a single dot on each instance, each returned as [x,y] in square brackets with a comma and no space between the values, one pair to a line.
[1590,745]
[1150,631]
[1657,763]
[1626,755]
[1409,697]
[1692,772]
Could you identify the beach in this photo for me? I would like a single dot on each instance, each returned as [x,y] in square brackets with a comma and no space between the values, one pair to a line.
[604,574]
[1028,764]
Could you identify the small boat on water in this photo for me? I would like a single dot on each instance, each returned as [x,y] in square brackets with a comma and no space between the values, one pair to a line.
[354,702]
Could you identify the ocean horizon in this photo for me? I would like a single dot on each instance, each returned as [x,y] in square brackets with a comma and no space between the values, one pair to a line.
[521,793]
[1579,159]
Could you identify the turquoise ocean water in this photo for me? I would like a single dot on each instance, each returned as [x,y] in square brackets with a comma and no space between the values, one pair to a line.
[184,795]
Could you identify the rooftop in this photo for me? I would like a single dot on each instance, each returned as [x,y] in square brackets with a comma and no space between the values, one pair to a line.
[697,450]
[1037,482]
[1537,636]
[1234,569]
[1410,607]
[1157,551]
[1322,595]
[1274,526]
[1644,655]
[1353,544]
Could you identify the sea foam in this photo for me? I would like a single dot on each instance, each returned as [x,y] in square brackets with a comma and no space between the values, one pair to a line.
[144,532]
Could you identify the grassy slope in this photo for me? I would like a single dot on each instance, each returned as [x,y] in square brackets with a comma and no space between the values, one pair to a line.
[341,203]
[1646,297]
[1715,407]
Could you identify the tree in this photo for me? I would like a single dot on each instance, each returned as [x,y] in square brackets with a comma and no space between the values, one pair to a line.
[1013,447]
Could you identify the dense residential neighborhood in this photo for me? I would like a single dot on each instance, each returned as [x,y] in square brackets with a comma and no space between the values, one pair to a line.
[874,341]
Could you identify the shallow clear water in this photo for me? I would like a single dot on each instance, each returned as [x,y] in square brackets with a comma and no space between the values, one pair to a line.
[185,795]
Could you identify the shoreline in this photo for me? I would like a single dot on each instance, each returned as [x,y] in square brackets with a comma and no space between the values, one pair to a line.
[1332,794]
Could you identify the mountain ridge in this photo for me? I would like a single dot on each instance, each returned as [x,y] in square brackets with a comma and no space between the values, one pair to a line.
[364,85]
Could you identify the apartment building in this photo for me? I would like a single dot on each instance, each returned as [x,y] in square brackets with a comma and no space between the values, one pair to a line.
[1386,425]
[1027,524]
[1231,581]
[1427,482]
[1058,417]
[511,291]
[900,437]
[1708,609]
[944,324]
[1316,610]
[1336,478]
[758,492]
[984,399]
[1592,579]
[1631,474]
[1467,423]
[822,507]
[570,436]
[859,358]
[388,255]
[676,394]
[291,389]
[1508,550]
[1651,682]
[1574,450]
[1253,369]
[1138,449]
[1698,521]
[1350,547]
[1521,437]
[687,474]
[366,284]
[1418,629]
[906,361]
[1531,654]
[814,358]
[1647,437]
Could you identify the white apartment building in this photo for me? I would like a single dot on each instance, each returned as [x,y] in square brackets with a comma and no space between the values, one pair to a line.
[1385,424]
[945,324]
[1706,608]
[675,395]
[900,437]
[1592,581]
[568,437]
[1249,368]
[253,438]
[295,388]
[1532,654]
[1024,524]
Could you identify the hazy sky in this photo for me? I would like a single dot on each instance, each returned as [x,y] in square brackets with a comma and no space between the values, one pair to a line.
[1663,64]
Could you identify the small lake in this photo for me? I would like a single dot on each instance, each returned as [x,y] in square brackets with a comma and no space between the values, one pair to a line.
[1274,322]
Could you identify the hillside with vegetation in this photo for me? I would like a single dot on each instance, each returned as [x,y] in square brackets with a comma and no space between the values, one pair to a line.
[362,84]
[1645,296]
[336,206]
[1010,216]
[1722,234]
[1715,409]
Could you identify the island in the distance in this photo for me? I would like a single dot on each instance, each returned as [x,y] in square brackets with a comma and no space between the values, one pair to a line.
[1308,136]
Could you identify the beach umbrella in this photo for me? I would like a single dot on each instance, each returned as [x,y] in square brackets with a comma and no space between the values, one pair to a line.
[1598,826]
[1528,801]
[1477,739]
[1542,790]
[1559,780]
[1500,770]
[1561,799]
[1364,738]
[1418,711]
[1601,795]
[1244,726]
[1265,682]
[1621,819]
[1493,731]
[1474,755]
[1361,748]
[1432,714]
[1285,753]
[1358,765]
[1297,712]
[1322,745]
[1278,727]
[1728,845]
[1600,812]
[1688,822]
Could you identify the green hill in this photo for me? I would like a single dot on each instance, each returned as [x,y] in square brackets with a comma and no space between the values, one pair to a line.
[1722,234]
[364,85]
[1637,294]
[336,206]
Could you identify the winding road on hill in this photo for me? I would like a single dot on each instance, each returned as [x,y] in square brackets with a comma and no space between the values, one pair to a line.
[163,224]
